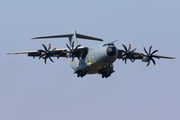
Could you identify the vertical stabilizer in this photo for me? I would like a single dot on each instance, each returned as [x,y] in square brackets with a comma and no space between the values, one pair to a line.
[73,38]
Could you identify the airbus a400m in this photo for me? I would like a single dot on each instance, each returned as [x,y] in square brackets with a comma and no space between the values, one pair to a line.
[92,59]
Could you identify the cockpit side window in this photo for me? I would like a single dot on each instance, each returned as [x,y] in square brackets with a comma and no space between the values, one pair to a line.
[104,45]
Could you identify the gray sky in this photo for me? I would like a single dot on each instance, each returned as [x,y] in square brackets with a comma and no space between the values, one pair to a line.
[31,90]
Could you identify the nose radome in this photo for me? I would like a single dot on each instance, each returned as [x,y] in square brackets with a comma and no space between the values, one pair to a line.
[111,51]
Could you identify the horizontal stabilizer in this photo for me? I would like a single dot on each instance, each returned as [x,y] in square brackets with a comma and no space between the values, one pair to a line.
[87,37]
[70,35]
[55,36]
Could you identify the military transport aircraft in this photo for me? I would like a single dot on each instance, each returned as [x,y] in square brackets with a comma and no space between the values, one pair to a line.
[92,59]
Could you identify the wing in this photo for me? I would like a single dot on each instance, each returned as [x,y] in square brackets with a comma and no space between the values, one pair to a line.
[56,53]
[138,55]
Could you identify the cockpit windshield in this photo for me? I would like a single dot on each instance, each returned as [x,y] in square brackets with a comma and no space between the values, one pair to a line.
[109,44]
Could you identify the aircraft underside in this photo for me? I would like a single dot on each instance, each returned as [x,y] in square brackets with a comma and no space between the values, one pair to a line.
[104,69]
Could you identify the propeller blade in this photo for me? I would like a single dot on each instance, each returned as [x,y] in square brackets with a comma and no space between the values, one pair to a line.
[148,62]
[78,58]
[154,52]
[73,57]
[123,55]
[68,46]
[123,51]
[44,47]
[154,62]
[41,51]
[42,55]
[145,60]
[125,60]
[129,47]
[77,47]
[124,47]
[49,47]
[54,49]
[132,57]
[51,59]
[70,55]
[134,50]
[150,49]
[145,50]
[131,60]
[45,59]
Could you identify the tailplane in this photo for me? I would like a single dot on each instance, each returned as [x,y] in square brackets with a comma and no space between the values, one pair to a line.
[72,37]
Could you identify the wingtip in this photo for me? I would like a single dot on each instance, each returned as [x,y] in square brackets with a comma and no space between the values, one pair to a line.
[34,38]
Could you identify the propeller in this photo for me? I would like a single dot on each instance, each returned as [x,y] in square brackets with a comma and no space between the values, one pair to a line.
[149,56]
[73,51]
[127,53]
[47,53]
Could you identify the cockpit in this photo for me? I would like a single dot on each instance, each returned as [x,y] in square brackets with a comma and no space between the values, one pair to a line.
[108,44]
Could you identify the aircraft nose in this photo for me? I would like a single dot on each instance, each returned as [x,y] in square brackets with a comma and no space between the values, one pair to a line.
[111,50]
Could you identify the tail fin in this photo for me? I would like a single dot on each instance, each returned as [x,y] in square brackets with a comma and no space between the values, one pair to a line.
[72,37]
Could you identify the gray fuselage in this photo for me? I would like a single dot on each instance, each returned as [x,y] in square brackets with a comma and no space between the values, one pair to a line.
[96,59]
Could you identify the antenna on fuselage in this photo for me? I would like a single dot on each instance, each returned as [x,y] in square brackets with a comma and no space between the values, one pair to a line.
[114,41]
